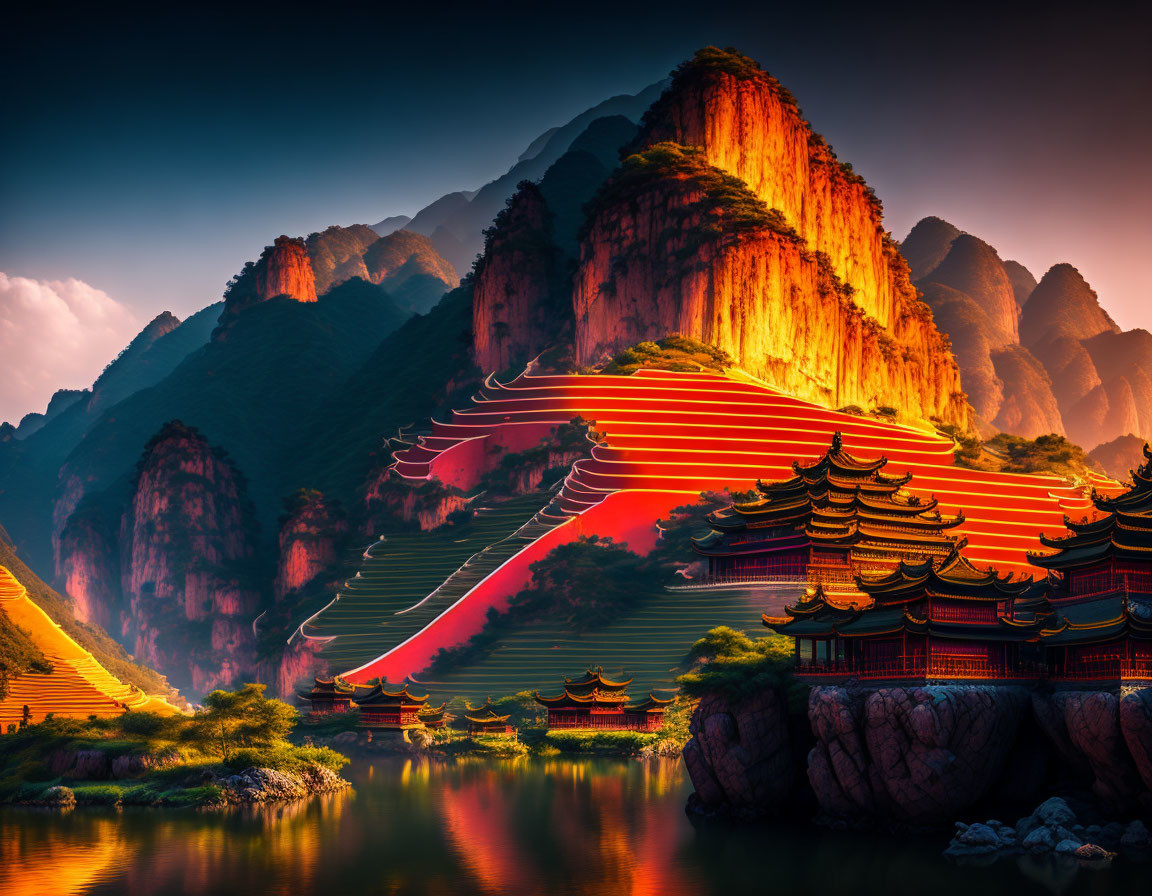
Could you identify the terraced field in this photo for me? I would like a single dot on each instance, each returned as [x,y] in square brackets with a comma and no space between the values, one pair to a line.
[668,436]
[406,580]
[648,644]
[77,687]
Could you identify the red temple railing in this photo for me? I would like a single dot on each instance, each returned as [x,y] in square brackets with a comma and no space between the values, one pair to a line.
[1105,669]
[938,667]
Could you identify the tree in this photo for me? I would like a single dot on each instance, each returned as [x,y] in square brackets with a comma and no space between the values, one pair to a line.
[235,720]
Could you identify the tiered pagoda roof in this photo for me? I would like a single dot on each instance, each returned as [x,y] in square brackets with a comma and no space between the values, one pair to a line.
[651,703]
[432,715]
[328,689]
[838,502]
[896,601]
[379,696]
[1122,532]
[487,717]
[592,689]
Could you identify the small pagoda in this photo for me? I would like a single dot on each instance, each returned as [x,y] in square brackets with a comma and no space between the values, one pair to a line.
[385,710]
[485,719]
[938,620]
[433,716]
[599,703]
[328,695]
[1101,594]
[836,518]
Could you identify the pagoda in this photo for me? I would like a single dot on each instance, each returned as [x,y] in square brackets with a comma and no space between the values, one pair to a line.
[328,695]
[389,710]
[433,716]
[1101,577]
[929,620]
[596,702]
[484,719]
[834,519]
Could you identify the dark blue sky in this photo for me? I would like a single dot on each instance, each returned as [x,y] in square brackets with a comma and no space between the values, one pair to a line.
[150,153]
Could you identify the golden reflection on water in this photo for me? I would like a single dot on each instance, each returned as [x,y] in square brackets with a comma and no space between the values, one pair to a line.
[474,826]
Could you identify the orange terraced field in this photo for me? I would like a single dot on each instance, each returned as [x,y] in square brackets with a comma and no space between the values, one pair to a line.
[77,687]
[668,436]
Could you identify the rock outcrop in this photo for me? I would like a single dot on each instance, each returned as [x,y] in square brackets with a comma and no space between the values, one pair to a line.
[517,307]
[1119,457]
[1105,737]
[740,757]
[283,269]
[927,244]
[1023,283]
[312,533]
[674,245]
[918,755]
[89,565]
[973,267]
[188,547]
[1063,303]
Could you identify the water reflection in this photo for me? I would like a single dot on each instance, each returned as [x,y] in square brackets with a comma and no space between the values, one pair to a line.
[487,827]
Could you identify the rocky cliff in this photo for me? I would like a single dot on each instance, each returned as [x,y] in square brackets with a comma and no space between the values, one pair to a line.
[675,245]
[1106,737]
[517,306]
[748,125]
[973,267]
[89,564]
[283,269]
[187,548]
[312,533]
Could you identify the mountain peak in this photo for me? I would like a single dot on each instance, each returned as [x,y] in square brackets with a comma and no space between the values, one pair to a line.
[1063,302]
[926,245]
[975,268]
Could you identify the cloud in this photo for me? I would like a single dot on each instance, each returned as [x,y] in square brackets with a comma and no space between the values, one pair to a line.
[55,334]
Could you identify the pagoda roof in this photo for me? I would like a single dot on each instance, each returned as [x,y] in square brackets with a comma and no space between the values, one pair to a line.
[432,710]
[593,679]
[328,687]
[651,703]
[379,696]
[1103,619]
[489,717]
[954,576]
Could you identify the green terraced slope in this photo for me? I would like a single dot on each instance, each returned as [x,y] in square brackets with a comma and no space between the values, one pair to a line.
[648,644]
[406,580]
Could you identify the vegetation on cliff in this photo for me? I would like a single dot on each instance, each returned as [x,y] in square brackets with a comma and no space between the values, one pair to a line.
[730,663]
[18,654]
[673,352]
[1005,453]
[143,758]
[725,203]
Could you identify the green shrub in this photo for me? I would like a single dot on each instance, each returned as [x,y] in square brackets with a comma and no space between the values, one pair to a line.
[579,740]
[729,662]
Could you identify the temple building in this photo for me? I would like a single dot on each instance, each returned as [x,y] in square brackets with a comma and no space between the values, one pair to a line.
[433,716]
[835,519]
[328,695]
[596,702]
[485,719]
[1101,577]
[938,620]
[389,710]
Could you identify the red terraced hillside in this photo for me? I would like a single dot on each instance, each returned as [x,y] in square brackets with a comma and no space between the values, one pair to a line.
[668,436]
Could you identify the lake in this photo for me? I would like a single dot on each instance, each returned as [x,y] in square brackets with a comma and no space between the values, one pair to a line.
[566,826]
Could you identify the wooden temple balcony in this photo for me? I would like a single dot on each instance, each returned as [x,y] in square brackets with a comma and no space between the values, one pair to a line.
[952,668]
[1106,669]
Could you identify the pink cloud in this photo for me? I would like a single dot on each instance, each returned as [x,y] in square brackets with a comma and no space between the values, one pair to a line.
[55,334]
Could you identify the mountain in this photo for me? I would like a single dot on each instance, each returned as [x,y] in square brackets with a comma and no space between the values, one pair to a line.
[975,299]
[1021,279]
[1119,457]
[734,224]
[1063,304]
[456,222]
[61,400]
[337,254]
[396,222]
[29,468]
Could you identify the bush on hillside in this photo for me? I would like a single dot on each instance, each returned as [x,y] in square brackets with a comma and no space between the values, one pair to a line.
[673,352]
[729,662]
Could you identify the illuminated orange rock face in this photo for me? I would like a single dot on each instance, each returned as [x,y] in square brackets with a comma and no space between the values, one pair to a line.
[820,304]
[513,312]
[286,270]
[652,264]
[88,564]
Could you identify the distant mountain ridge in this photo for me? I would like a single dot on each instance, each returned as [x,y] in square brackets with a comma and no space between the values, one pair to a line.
[1035,357]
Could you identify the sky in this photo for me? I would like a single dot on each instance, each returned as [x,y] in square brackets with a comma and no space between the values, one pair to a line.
[148,153]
